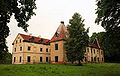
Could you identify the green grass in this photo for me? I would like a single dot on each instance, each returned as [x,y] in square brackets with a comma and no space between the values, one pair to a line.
[106,69]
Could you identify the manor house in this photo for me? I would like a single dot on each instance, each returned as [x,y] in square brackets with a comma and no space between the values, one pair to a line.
[28,49]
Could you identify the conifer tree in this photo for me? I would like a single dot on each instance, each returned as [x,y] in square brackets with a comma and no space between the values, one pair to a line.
[77,40]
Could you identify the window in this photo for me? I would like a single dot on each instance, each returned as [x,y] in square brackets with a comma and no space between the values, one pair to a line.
[98,59]
[29,47]
[91,50]
[40,59]
[101,52]
[28,58]
[95,59]
[102,59]
[91,59]
[56,46]
[56,58]
[46,49]
[20,40]
[40,49]
[85,59]
[16,41]
[20,58]
[87,49]
[97,50]
[15,49]
[14,59]
[46,59]
[20,48]
[94,51]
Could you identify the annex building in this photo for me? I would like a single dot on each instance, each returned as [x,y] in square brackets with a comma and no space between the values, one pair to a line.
[29,49]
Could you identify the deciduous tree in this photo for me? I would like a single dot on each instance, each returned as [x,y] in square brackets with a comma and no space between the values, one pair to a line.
[108,14]
[22,11]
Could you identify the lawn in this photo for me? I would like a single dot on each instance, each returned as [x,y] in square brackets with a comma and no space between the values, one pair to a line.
[106,69]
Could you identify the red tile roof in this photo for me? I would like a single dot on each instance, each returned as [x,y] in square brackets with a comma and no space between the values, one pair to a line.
[60,34]
[33,39]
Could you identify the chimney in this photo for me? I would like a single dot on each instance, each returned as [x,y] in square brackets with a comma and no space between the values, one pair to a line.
[62,22]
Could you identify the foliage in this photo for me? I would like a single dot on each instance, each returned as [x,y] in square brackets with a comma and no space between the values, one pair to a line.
[22,11]
[77,40]
[101,38]
[112,48]
[108,13]
[108,69]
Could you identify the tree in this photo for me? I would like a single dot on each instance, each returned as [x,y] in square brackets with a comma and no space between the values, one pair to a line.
[108,14]
[22,11]
[101,38]
[77,40]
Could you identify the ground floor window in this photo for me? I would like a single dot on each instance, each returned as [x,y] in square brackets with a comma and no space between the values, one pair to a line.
[28,58]
[46,59]
[20,58]
[85,59]
[14,59]
[95,59]
[56,58]
[98,59]
[102,59]
[40,59]
[91,59]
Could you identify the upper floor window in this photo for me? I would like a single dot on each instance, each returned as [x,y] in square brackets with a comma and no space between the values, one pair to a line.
[20,40]
[40,49]
[56,46]
[91,50]
[20,48]
[94,51]
[87,50]
[101,52]
[15,49]
[29,47]
[46,49]
[16,41]
[97,50]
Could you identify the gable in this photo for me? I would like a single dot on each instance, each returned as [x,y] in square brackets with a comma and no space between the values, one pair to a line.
[18,37]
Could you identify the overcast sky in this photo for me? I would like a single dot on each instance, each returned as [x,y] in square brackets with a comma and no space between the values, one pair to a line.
[49,13]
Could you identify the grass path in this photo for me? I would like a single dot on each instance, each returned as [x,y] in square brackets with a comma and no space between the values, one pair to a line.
[107,69]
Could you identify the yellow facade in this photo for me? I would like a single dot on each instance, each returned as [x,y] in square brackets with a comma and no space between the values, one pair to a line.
[93,55]
[30,50]
[60,52]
